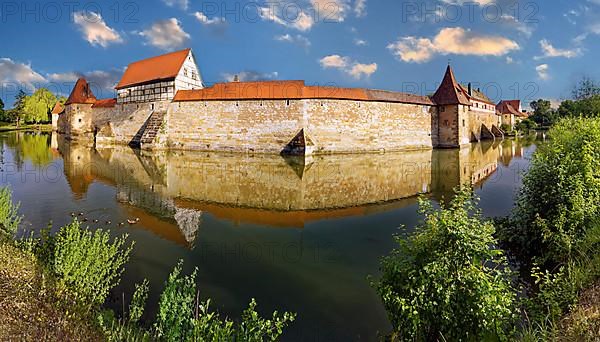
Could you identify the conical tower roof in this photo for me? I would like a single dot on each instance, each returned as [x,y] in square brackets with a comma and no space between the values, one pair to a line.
[450,92]
[81,93]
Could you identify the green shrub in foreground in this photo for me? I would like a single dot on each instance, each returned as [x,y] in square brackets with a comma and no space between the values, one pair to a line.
[88,263]
[447,281]
[560,197]
[181,317]
[9,217]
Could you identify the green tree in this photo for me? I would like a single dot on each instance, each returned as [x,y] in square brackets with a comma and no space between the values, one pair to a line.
[2,112]
[447,281]
[37,106]
[560,197]
[586,88]
[543,114]
[526,125]
[17,112]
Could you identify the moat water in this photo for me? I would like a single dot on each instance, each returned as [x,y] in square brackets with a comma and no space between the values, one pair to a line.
[299,234]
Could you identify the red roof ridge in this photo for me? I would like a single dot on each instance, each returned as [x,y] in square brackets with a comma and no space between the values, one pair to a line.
[161,67]
[105,103]
[58,108]
[81,93]
[293,90]
[450,92]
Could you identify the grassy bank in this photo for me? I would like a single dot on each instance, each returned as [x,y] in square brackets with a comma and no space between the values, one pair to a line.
[30,307]
[9,126]
[53,287]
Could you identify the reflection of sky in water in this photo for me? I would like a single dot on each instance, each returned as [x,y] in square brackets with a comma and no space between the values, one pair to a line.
[297,234]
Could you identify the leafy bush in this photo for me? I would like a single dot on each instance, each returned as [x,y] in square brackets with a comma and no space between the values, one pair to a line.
[9,213]
[181,317]
[174,321]
[88,263]
[560,196]
[447,281]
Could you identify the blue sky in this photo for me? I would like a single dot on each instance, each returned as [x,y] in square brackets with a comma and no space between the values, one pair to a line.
[510,49]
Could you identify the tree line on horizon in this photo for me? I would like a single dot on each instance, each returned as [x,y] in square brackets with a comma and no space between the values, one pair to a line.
[584,102]
[34,108]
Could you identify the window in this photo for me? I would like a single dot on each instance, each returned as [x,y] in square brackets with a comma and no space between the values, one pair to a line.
[287,102]
[446,123]
[463,123]
[80,120]
[442,109]
[185,72]
[152,106]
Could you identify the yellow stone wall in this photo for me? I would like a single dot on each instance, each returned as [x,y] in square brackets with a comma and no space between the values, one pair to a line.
[334,126]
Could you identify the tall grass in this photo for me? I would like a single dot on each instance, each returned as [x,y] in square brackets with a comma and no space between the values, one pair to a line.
[9,214]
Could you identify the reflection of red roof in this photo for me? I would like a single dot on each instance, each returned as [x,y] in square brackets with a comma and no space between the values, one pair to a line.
[293,90]
[163,67]
[450,92]
[81,93]
[58,108]
[105,103]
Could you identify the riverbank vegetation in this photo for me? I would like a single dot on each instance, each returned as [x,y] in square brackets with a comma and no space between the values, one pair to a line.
[30,109]
[53,287]
[449,280]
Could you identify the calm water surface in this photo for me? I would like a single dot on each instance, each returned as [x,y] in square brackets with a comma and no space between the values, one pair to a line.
[299,234]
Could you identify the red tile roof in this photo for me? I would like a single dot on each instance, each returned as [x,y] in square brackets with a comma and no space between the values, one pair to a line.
[293,90]
[81,93]
[508,107]
[58,108]
[477,95]
[450,92]
[105,103]
[163,67]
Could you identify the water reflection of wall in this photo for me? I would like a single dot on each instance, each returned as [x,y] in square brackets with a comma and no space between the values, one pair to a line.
[252,185]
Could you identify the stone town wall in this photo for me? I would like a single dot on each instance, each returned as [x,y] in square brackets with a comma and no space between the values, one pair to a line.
[269,125]
[477,118]
[118,125]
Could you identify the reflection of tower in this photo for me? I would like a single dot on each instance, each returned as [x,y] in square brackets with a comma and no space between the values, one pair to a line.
[188,221]
[468,165]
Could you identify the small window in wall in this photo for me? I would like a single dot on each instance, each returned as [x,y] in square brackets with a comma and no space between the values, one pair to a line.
[185,72]
[442,109]
[446,123]
[79,120]
[287,102]
[152,106]
[463,123]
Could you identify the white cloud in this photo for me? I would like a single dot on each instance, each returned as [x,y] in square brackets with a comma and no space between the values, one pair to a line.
[542,71]
[550,51]
[101,81]
[334,61]
[166,34]
[183,4]
[358,70]
[360,42]
[250,76]
[514,23]
[202,18]
[299,21]
[330,10]
[346,65]
[509,60]
[298,39]
[450,40]
[360,8]
[23,74]
[95,30]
